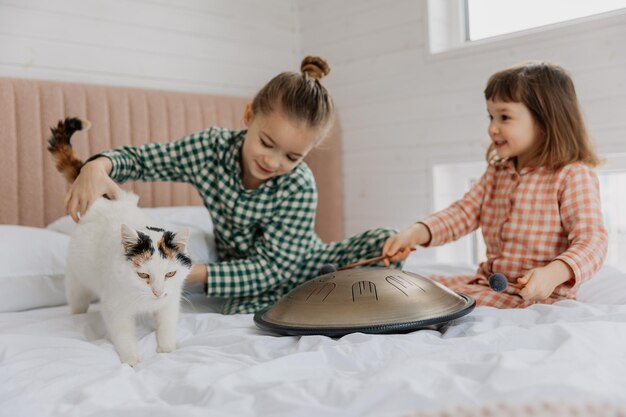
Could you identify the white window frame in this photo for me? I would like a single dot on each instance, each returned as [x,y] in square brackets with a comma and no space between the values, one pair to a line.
[450,181]
[446,29]
[614,163]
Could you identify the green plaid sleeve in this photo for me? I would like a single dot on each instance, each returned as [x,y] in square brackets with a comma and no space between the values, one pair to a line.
[178,161]
[278,250]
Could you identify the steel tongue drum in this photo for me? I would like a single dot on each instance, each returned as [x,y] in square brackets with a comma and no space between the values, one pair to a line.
[366,300]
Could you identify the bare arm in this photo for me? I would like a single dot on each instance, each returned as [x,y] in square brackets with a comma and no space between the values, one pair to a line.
[198,274]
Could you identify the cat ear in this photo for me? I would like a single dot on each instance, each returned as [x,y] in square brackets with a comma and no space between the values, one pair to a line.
[180,239]
[129,237]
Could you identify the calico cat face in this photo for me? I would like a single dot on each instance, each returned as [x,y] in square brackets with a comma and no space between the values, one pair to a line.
[158,258]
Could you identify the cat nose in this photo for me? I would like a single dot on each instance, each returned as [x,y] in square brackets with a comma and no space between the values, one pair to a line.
[156,292]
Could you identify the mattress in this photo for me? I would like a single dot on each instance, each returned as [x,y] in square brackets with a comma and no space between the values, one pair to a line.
[573,352]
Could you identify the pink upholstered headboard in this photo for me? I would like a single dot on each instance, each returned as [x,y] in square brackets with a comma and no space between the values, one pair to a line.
[32,192]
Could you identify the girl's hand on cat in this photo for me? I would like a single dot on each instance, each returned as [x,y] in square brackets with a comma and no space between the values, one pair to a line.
[398,246]
[92,182]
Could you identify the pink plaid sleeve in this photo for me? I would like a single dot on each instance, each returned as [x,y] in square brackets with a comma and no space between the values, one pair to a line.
[460,218]
[581,217]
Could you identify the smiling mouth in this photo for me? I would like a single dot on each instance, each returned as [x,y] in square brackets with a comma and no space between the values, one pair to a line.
[263,169]
[499,143]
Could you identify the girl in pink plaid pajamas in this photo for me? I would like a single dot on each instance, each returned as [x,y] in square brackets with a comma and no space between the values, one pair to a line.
[538,203]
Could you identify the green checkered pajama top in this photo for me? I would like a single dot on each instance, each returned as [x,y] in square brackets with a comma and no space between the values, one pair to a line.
[265,237]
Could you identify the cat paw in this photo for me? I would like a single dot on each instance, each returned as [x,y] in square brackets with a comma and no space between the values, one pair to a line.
[166,348]
[131,360]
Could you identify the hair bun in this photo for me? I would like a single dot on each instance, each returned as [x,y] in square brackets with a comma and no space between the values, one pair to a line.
[315,67]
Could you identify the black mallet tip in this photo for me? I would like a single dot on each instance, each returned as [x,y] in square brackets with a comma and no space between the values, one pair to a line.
[498,282]
[327,269]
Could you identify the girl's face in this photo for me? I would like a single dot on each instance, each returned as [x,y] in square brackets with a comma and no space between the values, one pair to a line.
[273,146]
[512,130]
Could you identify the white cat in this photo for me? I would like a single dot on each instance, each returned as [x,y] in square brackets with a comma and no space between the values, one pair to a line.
[120,256]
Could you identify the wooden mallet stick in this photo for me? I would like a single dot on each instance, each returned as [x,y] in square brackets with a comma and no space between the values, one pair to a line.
[368,261]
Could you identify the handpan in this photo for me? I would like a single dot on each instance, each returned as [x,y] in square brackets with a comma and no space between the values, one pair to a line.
[367,300]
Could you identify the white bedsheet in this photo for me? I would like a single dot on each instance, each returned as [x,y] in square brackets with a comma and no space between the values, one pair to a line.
[54,364]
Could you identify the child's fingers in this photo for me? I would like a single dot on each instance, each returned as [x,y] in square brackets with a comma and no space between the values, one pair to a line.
[72,209]
[405,252]
[392,248]
[393,258]
[386,246]
[524,280]
[529,291]
[523,291]
[83,206]
[66,201]
[112,191]
[400,255]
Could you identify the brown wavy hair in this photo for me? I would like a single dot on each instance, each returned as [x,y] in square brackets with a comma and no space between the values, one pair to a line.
[548,92]
[301,96]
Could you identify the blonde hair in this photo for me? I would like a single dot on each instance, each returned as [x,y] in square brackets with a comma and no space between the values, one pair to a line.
[548,92]
[300,96]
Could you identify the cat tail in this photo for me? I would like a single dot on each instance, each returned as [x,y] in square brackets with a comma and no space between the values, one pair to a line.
[65,159]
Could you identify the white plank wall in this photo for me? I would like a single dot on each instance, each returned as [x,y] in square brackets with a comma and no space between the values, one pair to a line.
[229,47]
[403,110]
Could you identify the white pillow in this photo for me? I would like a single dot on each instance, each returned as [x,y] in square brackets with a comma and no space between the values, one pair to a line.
[32,267]
[32,259]
[608,286]
[201,239]
[197,218]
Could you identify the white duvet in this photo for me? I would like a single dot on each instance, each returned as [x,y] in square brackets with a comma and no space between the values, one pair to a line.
[54,364]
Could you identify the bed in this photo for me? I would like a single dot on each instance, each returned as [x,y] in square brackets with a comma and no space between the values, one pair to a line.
[564,359]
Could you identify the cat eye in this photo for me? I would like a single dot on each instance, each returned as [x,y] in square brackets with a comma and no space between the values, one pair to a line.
[143,276]
[170,274]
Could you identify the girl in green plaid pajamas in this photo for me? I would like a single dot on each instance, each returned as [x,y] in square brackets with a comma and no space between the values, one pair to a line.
[261,196]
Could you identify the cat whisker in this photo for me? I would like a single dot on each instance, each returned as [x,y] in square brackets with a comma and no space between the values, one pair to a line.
[183,296]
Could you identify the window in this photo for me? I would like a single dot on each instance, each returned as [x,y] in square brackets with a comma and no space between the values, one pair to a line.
[450,182]
[612,177]
[487,18]
[456,23]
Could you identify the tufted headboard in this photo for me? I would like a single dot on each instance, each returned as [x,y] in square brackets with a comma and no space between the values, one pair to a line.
[32,192]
